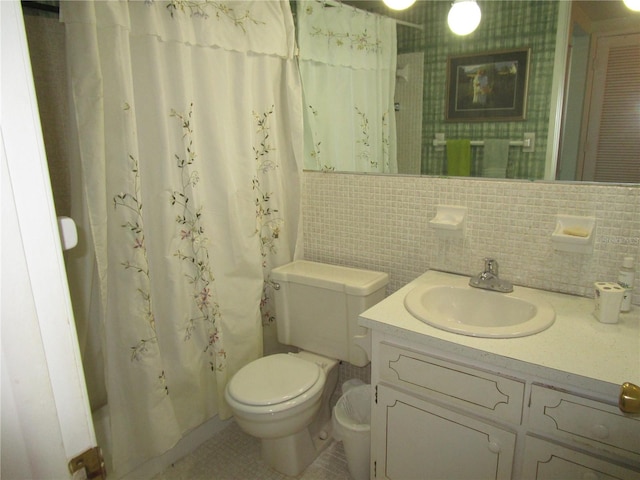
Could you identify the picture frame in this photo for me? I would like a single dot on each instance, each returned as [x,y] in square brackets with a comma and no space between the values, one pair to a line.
[489,86]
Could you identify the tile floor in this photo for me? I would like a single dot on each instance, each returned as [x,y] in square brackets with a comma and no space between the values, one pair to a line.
[234,455]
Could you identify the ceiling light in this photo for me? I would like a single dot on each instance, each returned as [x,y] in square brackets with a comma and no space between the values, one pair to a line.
[399,4]
[633,5]
[464,16]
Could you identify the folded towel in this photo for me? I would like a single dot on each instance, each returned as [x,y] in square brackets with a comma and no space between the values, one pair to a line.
[496,157]
[459,158]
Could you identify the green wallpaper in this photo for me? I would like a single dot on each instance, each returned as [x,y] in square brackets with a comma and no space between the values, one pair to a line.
[505,24]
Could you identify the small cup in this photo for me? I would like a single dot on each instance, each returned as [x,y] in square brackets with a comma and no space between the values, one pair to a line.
[608,299]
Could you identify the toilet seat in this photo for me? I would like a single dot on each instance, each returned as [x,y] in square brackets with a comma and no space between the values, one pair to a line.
[274,379]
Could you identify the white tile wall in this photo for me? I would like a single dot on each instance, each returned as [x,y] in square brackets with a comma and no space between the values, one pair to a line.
[381,223]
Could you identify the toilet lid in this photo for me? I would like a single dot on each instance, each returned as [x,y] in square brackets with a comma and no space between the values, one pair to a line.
[273,379]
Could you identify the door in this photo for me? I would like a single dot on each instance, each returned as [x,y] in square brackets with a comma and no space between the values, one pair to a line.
[422,440]
[46,419]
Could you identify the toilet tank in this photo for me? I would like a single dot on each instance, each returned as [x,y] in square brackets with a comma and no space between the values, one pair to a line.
[317,307]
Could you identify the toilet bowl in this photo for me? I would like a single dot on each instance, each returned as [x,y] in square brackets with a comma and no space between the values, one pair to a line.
[283,399]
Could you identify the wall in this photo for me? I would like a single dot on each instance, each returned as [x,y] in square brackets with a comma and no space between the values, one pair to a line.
[46,37]
[381,222]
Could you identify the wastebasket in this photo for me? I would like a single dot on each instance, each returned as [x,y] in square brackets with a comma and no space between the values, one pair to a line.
[352,425]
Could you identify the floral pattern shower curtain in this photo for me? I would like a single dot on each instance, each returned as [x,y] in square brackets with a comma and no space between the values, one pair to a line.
[348,68]
[189,120]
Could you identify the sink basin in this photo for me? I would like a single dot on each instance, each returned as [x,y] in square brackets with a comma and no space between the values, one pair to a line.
[480,313]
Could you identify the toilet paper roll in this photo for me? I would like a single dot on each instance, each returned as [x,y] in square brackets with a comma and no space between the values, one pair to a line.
[608,299]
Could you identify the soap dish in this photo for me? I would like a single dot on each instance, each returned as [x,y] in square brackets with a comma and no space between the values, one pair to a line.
[574,234]
[449,220]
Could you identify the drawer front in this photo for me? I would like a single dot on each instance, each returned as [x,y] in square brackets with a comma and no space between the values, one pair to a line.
[585,421]
[549,461]
[476,391]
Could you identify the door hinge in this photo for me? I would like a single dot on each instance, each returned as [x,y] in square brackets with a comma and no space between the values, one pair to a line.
[375,469]
[376,396]
[93,463]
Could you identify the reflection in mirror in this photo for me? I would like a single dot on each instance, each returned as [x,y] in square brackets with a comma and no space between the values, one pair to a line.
[421,85]
[601,118]
[347,60]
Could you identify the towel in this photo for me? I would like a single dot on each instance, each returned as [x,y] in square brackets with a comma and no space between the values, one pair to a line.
[459,158]
[496,157]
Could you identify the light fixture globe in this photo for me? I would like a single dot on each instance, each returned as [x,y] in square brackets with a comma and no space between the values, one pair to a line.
[464,17]
[633,5]
[399,4]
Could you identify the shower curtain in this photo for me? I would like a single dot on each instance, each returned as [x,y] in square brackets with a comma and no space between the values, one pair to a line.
[189,119]
[348,69]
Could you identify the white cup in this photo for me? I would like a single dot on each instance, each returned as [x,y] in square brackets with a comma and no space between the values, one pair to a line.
[608,299]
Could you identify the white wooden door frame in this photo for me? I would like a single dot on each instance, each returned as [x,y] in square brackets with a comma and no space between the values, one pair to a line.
[41,270]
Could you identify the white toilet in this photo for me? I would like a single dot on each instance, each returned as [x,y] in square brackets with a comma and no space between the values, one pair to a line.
[283,399]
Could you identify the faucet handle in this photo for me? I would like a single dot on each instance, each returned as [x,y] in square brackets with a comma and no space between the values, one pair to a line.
[491,266]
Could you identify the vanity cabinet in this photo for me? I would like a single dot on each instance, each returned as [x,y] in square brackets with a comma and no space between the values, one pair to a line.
[439,416]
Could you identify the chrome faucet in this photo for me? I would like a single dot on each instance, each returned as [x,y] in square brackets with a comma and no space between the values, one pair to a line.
[489,279]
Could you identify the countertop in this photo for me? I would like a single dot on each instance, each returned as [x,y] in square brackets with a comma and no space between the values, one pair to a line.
[576,350]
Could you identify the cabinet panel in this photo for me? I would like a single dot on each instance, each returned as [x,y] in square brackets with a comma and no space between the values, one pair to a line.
[547,461]
[477,391]
[422,440]
[585,421]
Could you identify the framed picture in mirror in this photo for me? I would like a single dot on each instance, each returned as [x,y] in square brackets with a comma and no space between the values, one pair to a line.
[488,86]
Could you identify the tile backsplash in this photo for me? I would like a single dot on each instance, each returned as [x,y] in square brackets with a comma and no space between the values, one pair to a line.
[381,222]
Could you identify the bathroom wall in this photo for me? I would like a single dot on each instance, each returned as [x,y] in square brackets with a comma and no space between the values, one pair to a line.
[381,223]
[46,50]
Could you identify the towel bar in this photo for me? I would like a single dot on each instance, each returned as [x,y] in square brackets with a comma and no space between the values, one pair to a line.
[527,143]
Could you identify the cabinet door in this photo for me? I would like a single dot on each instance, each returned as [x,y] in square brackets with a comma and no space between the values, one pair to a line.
[417,439]
[548,461]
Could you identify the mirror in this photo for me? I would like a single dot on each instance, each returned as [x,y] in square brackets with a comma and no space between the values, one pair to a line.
[543,27]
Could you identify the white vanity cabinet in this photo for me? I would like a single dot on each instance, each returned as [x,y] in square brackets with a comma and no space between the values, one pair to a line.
[540,406]
[435,415]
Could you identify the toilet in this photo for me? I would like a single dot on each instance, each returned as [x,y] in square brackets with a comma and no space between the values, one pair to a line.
[284,399]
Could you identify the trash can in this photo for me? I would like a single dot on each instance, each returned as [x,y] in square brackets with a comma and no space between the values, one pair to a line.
[352,425]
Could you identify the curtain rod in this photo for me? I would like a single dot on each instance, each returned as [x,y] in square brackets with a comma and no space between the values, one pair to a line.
[338,3]
[54,9]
